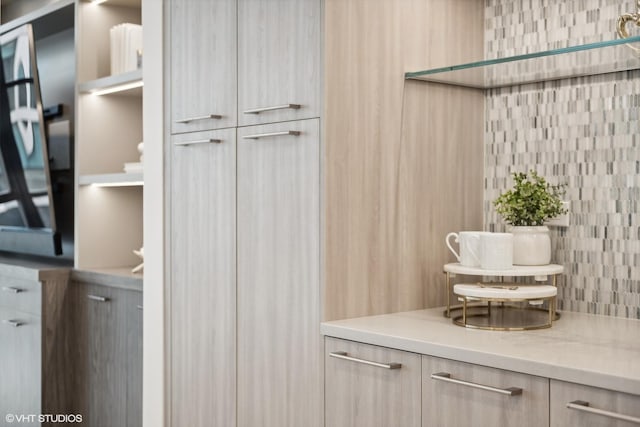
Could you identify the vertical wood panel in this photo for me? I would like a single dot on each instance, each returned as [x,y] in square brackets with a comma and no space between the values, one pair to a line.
[403,160]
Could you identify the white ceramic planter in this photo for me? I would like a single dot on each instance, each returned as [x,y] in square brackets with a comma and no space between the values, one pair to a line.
[531,245]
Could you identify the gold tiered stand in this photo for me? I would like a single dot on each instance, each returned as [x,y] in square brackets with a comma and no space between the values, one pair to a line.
[544,274]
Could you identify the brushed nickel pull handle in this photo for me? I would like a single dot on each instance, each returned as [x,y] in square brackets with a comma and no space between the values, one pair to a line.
[276,107]
[344,356]
[14,323]
[199,141]
[583,406]
[267,135]
[193,119]
[446,377]
[139,307]
[12,289]
[98,298]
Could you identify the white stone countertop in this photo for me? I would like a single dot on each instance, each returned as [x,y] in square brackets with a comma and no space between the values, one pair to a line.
[598,351]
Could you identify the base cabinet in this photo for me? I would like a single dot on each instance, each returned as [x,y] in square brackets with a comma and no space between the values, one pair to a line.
[370,386]
[460,394]
[579,405]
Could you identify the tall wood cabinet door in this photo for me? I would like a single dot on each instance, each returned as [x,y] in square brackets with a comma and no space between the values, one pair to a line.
[279,341]
[203,64]
[456,394]
[133,318]
[278,60]
[361,394]
[203,279]
[579,405]
[20,366]
[107,356]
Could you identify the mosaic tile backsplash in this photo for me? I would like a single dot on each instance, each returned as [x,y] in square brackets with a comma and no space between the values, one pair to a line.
[584,132]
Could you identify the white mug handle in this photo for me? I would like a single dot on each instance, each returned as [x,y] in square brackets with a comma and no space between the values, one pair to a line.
[446,239]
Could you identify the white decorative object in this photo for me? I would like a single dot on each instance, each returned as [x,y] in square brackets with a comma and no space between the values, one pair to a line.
[496,251]
[531,245]
[126,47]
[139,267]
[469,243]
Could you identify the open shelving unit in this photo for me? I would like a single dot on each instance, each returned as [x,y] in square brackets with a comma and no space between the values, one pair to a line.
[108,131]
[573,61]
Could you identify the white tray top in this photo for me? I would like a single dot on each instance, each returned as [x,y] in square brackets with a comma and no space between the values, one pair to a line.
[510,291]
[516,271]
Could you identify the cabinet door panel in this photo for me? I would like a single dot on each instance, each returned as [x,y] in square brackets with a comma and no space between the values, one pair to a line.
[203,275]
[279,342]
[361,395]
[457,405]
[203,64]
[20,366]
[133,309]
[278,59]
[107,356]
[614,403]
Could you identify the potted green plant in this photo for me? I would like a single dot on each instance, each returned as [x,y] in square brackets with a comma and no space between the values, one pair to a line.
[526,207]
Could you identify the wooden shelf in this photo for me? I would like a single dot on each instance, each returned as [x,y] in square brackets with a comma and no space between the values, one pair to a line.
[113,180]
[129,83]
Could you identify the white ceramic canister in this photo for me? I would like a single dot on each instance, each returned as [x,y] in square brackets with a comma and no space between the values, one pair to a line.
[531,245]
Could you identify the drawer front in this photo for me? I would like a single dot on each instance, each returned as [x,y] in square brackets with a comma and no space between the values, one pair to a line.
[21,295]
[579,405]
[460,394]
[369,389]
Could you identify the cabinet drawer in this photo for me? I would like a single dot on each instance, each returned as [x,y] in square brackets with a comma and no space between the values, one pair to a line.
[370,386]
[21,295]
[460,394]
[579,405]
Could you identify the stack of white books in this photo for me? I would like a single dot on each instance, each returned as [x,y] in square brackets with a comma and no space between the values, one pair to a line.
[126,48]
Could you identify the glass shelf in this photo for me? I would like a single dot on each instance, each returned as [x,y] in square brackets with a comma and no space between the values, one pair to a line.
[574,61]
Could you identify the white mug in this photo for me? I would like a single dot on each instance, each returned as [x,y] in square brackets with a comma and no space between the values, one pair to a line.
[469,242]
[496,251]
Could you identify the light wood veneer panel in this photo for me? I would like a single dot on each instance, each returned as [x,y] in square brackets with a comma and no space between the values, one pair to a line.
[403,161]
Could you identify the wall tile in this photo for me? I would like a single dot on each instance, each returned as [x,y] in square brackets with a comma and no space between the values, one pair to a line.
[584,132]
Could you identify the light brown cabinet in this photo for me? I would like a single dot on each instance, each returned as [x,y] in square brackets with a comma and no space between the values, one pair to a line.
[203,64]
[580,405]
[371,386]
[456,394]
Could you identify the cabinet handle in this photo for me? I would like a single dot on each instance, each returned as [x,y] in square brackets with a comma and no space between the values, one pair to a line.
[13,323]
[98,298]
[276,107]
[139,307]
[193,119]
[583,406]
[344,356]
[267,135]
[446,377]
[12,289]
[199,141]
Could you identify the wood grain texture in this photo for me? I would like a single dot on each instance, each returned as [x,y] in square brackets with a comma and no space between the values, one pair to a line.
[133,317]
[203,65]
[403,161]
[279,343]
[454,405]
[278,59]
[203,281]
[366,396]
[563,393]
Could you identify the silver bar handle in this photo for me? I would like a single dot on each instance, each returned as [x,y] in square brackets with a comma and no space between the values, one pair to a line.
[446,377]
[276,107]
[12,289]
[199,141]
[13,323]
[344,356]
[98,298]
[583,406]
[139,307]
[193,119]
[267,135]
